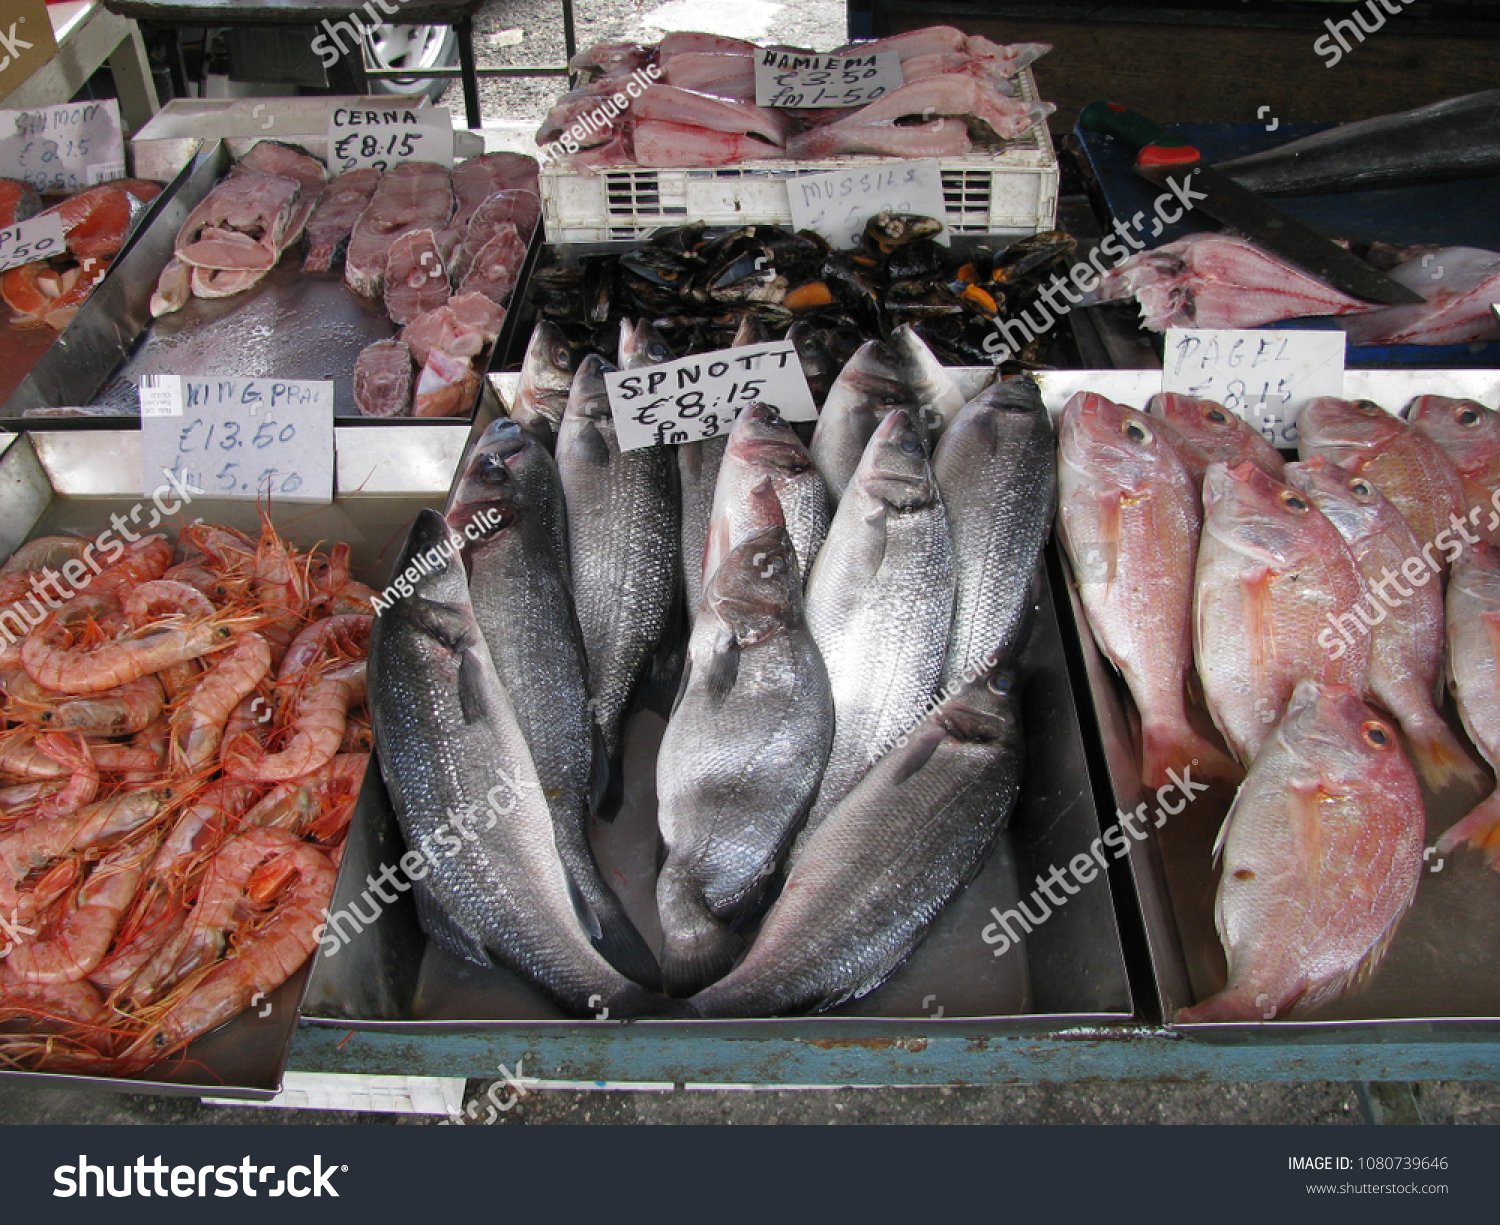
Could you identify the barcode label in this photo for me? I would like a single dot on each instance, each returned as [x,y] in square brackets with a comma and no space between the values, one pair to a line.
[105,172]
[161,395]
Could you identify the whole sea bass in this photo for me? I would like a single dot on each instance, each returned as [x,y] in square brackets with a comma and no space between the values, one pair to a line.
[879,602]
[741,757]
[995,465]
[1468,434]
[1129,517]
[868,387]
[522,600]
[622,516]
[1404,464]
[1273,577]
[1474,673]
[547,371]
[1404,620]
[468,797]
[1320,857]
[869,881]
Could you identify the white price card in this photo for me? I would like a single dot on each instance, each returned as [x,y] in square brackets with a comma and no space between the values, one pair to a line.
[381,137]
[59,148]
[1264,376]
[235,438]
[700,396]
[804,81]
[837,204]
[39,237]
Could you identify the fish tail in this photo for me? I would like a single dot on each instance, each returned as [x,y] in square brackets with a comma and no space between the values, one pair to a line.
[1234,1003]
[1480,829]
[698,948]
[1175,746]
[1442,759]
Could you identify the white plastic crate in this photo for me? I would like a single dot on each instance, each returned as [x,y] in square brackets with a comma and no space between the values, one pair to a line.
[1010,192]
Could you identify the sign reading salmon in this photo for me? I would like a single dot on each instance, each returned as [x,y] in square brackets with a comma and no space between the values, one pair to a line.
[799,80]
[240,439]
[700,396]
[62,148]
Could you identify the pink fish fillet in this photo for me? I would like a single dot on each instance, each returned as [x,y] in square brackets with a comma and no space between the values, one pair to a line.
[461,327]
[496,267]
[957,95]
[519,209]
[658,143]
[383,379]
[676,44]
[709,72]
[480,178]
[930,40]
[274,158]
[416,279]
[673,105]
[339,207]
[584,112]
[1460,285]
[446,387]
[936,138]
[1216,281]
[611,59]
[411,196]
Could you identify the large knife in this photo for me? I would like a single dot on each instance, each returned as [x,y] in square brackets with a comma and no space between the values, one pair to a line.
[1161,157]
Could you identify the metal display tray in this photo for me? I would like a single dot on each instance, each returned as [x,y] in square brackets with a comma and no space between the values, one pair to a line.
[1069,972]
[1441,976]
[292,325]
[70,482]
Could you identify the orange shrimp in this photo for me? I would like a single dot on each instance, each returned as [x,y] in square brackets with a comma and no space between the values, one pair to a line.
[359,736]
[82,787]
[346,636]
[197,726]
[33,559]
[317,726]
[319,806]
[20,758]
[263,958]
[144,559]
[121,711]
[83,935]
[106,665]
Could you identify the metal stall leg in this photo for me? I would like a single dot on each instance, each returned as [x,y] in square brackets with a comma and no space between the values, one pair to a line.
[465,31]
[570,44]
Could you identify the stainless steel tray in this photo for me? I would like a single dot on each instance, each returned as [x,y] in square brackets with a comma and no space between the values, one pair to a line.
[1070,971]
[291,325]
[71,481]
[1442,973]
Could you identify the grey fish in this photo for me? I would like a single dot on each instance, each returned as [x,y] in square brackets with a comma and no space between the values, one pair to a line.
[642,345]
[937,396]
[524,605]
[698,467]
[819,366]
[741,757]
[761,446]
[869,882]
[623,522]
[547,372]
[996,466]
[867,388]
[880,601]
[451,751]
[1458,138]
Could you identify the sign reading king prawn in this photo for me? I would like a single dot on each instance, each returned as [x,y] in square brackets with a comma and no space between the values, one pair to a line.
[700,396]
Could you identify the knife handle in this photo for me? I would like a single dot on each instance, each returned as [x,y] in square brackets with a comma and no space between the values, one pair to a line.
[1154,146]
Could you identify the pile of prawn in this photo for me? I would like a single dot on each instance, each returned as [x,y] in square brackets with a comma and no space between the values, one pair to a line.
[183,741]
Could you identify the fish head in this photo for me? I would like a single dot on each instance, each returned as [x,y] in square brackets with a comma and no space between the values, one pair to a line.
[819,366]
[506,470]
[895,468]
[437,616]
[1467,431]
[1349,432]
[1476,573]
[984,707]
[550,360]
[1258,516]
[1196,420]
[1331,728]
[1124,447]
[641,345]
[1351,503]
[761,438]
[1002,411]
[757,589]
[589,398]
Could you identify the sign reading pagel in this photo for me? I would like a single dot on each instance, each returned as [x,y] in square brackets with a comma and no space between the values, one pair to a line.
[26,41]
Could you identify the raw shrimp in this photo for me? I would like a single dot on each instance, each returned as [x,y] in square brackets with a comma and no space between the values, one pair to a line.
[82,936]
[121,711]
[198,724]
[20,758]
[319,806]
[359,736]
[264,958]
[81,787]
[37,558]
[144,559]
[109,664]
[317,726]
[346,636]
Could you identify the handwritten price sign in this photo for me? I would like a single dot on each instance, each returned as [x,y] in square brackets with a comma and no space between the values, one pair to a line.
[382,138]
[700,396]
[240,438]
[787,79]
[41,237]
[62,148]
[1265,377]
[836,205]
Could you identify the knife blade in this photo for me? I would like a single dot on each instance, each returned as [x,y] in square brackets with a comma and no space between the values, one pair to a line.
[1162,158]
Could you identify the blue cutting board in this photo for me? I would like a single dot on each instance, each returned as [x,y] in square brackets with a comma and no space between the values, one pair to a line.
[1459,214]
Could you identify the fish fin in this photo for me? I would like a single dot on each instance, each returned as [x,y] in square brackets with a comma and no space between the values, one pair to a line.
[450,624]
[1255,586]
[1441,758]
[444,931]
[1326,992]
[698,948]
[723,669]
[1166,747]
[1231,1005]
[598,770]
[1480,829]
[623,946]
[1304,817]
[923,744]
[588,919]
[1110,506]
[472,699]
[590,446]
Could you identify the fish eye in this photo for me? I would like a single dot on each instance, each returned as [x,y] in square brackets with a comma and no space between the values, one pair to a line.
[563,358]
[1292,501]
[1218,416]
[1468,415]
[1361,488]
[1136,432]
[1000,684]
[658,351]
[910,444]
[1377,735]
[492,470]
[777,565]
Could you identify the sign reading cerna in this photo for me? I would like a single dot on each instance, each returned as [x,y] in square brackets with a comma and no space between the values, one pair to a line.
[699,396]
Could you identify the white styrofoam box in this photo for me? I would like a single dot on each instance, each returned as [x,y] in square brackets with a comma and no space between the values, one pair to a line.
[1010,192]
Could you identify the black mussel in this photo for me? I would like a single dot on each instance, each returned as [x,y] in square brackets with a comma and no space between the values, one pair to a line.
[682,239]
[1030,258]
[925,257]
[886,231]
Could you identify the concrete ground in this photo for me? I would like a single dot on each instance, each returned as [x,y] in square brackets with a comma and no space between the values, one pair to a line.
[1434,1103]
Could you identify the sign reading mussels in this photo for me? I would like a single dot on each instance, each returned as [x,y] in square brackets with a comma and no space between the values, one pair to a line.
[700,396]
